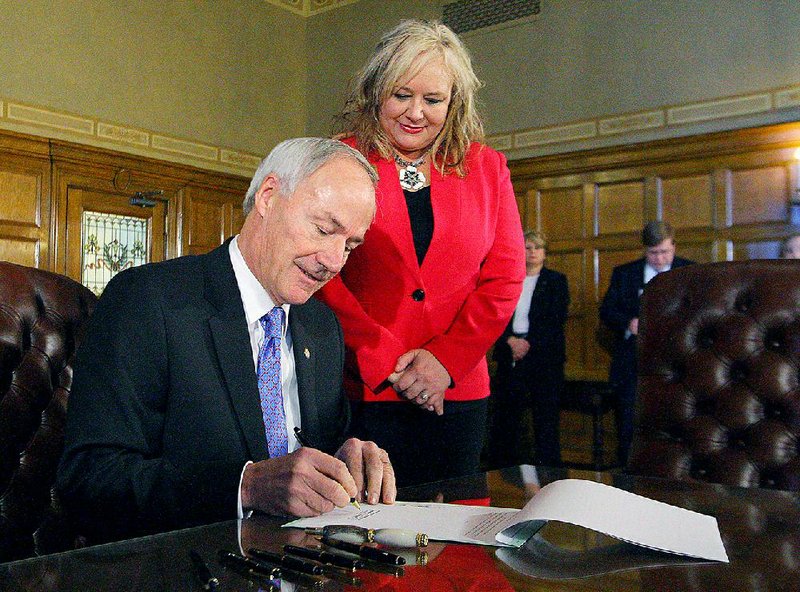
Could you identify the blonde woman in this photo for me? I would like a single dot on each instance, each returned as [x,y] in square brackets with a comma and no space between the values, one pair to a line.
[440,270]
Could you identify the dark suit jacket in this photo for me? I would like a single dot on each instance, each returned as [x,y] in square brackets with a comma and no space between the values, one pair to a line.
[620,305]
[549,305]
[165,411]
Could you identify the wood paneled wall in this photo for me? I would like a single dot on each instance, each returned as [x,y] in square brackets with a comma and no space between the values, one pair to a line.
[25,200]
[728,195]
[42,179]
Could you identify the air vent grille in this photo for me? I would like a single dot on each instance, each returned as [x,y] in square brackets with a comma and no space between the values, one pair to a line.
[469,15]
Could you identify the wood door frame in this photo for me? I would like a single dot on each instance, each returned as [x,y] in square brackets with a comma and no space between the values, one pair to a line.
[114,178]
[81,199]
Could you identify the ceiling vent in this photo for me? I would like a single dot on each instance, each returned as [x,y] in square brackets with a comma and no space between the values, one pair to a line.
[471,15]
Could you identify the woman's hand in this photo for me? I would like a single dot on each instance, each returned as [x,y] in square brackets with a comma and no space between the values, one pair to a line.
[421,378]
[519,347]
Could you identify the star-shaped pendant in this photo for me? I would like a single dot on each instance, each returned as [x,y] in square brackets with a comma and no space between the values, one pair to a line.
[411,179]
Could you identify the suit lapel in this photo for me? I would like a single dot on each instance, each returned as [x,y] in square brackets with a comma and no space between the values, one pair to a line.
[305,359]
[446,215]
[393,214]
[228,327]
[538,294]
[639,280]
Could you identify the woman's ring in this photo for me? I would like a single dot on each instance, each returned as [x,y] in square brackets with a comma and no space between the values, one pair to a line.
[423,396]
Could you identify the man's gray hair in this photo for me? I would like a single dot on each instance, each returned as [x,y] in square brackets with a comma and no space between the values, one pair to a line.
[293,161]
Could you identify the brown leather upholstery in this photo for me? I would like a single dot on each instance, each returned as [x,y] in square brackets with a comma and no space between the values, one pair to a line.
[719,375]
[42,317]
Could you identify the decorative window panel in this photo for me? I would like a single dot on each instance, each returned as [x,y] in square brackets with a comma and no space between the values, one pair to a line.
[109,244]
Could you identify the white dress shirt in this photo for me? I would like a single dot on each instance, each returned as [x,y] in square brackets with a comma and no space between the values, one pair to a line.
[257,303]
[521,323]
[649,273]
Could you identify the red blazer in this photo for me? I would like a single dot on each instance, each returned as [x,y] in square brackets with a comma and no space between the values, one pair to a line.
[456,304]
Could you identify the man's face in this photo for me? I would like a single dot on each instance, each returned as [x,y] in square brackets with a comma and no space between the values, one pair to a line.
[661,255]
[299,242]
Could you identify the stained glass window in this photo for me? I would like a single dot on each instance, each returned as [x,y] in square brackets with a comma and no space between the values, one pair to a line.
[111,243]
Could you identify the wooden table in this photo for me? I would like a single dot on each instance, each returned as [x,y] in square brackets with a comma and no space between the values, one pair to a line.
[760,528]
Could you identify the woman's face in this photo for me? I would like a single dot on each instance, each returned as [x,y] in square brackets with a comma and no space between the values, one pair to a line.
[414,113]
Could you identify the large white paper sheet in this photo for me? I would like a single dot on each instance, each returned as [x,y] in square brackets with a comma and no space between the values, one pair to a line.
[617,513]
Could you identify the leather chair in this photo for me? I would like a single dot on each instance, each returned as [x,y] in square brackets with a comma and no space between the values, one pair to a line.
[42,318]
[719,375]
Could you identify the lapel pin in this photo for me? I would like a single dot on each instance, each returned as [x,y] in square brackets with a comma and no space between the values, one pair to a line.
[307,353]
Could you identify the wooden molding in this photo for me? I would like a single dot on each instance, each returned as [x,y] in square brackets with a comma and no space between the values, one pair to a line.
[785,135]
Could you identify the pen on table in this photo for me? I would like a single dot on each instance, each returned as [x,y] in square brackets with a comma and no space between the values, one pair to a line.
[250,566]
[365,551]
[340,573]
[295,563]
[391,537]
[259,569]
[301,439]
[324,557]
[202,572]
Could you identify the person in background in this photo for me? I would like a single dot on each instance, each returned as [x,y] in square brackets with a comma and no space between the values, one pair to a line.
[790,247]
[195,372]
[440,271]
[620,312]
[530,356]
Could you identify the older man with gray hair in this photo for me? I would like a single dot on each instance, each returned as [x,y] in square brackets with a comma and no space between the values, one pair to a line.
[209,386]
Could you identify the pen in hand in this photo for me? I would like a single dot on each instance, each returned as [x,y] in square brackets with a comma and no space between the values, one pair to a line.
[301,439]
[202,572]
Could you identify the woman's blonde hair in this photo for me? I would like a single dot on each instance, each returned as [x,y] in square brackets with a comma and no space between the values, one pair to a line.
[537,237]
[392,61]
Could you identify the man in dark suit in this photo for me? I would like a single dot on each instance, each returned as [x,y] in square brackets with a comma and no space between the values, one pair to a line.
[620,312]
[530,357]
[170,423]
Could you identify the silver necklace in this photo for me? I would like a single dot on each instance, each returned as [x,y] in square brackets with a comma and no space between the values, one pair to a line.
[411,178]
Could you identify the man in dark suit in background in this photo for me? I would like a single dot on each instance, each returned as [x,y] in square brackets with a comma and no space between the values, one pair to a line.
[620,312]
[530,357]
[173,418]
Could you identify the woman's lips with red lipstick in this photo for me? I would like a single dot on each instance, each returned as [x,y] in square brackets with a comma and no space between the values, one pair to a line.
[409,129]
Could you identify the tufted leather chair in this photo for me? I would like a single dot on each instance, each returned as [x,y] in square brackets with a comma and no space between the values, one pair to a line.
[719,375]
[42,318]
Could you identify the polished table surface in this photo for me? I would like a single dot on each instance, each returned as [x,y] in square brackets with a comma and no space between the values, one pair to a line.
[760,529]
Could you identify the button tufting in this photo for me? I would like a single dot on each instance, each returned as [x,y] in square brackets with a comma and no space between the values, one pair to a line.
[705,337]
[775,340]
[744,302]
[738,372]
[418,294]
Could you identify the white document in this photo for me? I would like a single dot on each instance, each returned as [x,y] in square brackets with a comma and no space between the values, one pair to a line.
[617,513]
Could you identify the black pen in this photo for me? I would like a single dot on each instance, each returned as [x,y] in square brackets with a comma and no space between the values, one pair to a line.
[259,569]
[249,566]
[202,572]
[324,557]
[301,439]
[295,563]
[365,551]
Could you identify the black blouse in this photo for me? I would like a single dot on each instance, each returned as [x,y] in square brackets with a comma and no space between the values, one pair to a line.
[420,212]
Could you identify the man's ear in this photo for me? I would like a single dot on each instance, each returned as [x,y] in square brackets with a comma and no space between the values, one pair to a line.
[265,194]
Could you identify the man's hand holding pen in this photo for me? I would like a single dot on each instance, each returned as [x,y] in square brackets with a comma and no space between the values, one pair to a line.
[309,482]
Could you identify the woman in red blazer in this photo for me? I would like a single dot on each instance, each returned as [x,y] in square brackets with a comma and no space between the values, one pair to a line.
[440,270]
